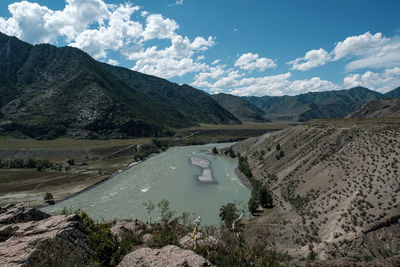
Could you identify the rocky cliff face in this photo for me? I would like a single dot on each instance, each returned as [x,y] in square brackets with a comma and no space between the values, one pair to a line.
[33,238]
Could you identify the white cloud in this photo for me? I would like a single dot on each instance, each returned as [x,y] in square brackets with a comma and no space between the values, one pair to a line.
[312,59]
[175,60]
[363,51]
[382,82]
[159,28]
[252,62]
[113,62]
[179,2]
[37,24]
[119,32]
[215,62]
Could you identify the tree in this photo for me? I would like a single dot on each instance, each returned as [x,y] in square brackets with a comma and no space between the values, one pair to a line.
[253,205]
[278,146]
[166,212]
[266,200]
[215,150]
[149,207]
[228,213]
[281,154]
[48,198]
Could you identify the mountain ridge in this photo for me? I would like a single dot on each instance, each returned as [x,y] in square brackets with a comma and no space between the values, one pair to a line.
[47,92]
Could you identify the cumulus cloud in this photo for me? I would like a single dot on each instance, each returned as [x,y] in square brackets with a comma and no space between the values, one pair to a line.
[382,82]
[312,59]
[362,51]
[113,62]
[158,27]
[119,31]
[37,24]
[179,2]
[252,62]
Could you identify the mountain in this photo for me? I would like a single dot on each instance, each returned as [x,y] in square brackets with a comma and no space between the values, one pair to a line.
[196,105]
[46,92]
[304,107]
[393,94]
[240,107]
[382,108]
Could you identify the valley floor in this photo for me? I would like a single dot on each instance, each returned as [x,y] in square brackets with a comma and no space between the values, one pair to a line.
[94,160]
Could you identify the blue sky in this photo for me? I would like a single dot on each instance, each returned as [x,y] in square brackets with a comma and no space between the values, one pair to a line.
[242,47]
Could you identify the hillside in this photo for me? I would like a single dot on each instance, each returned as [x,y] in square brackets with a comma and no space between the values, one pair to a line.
[241,108]
[196,105]
[382,108]
[46,92]
[304,107]
[393,94]
[334,182]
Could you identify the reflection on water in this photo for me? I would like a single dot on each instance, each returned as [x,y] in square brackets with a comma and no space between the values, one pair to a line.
[170,176]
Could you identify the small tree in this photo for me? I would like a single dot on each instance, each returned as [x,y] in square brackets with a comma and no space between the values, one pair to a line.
[166,213]
[48,198]
[266,200]
[253,205]
[215,150]
[278,146]
[228,213]
[149,207]
[281,154]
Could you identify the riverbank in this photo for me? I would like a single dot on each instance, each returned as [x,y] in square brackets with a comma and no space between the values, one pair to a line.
[243,178]
[132,164]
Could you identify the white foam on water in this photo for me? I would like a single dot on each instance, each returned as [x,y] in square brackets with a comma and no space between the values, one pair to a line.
[145,189]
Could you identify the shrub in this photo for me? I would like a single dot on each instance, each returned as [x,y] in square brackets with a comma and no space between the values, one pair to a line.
[48,198]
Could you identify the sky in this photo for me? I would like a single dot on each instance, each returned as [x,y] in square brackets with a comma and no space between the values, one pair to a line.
[253,47]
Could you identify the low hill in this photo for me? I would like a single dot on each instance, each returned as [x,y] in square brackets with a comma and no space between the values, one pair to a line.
[382,108]
[333,182]
[46,92]
[240,107]
[304,107]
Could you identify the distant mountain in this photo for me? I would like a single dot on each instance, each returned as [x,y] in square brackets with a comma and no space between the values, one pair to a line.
[382,108]
[46,92]
[240,107]
[393,94]
[304,107]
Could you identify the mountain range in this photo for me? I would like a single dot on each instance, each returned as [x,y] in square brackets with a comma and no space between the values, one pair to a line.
[329,104]
[47,92]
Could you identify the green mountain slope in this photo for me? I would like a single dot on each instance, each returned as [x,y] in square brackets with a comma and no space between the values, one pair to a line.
[48,92]
[196,105]
[240,107]
[304,107]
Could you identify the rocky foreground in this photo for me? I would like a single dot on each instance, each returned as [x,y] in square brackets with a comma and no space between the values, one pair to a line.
[29,237]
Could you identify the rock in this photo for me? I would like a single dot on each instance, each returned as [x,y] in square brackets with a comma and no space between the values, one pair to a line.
[122,226]
[147,238]
[15,213]
[58,240]
[168,256]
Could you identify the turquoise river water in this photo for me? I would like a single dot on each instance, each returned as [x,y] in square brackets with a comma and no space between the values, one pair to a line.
[170,176]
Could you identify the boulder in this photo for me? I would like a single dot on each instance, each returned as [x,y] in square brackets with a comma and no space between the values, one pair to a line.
[147,238]
[58,240]
[168,256]
[16,213]
[122,226]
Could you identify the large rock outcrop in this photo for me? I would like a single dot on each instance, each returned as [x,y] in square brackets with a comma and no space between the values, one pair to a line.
[53,241]
[13,213]
[168,256]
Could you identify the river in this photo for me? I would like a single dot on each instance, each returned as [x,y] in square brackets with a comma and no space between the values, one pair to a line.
[169,175]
